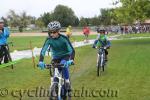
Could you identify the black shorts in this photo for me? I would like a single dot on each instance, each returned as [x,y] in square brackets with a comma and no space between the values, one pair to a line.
[59,60]
[4,53]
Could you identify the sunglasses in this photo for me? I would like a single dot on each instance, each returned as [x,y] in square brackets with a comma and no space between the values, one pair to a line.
[53,32]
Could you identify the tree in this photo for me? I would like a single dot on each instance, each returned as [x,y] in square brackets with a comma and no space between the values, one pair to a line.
[76,23]
[24,19]
[64,15]
[133,10]
[5,21]
[13,19]
[46,18]
[105,17]
[83,22]
[20,20]
[39,23]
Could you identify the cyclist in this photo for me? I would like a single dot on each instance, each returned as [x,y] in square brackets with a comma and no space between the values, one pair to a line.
[4,34]
[102,41]
[61,48]
[86,32]
[69,31]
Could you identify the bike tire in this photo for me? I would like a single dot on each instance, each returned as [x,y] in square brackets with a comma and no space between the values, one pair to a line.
[66,93]
[103,68]
[98,67]
[53,90]
[104,62]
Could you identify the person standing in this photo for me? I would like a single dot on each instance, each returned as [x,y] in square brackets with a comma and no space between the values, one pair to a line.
[4,35]
[86,32]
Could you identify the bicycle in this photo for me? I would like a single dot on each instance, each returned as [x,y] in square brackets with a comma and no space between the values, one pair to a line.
[58,89]
[101,60]
[6,55]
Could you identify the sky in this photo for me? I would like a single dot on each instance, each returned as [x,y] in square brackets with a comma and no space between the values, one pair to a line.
[85,8]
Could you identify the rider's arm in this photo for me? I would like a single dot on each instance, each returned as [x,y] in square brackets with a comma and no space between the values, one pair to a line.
[70,48]
[44,49]
[108,42]
[7,32]
[98,36]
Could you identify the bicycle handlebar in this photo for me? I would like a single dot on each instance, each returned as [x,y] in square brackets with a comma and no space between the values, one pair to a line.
[57,65]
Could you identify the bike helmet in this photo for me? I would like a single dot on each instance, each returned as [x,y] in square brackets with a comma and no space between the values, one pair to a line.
[54,26]
[101,30]
[70,26]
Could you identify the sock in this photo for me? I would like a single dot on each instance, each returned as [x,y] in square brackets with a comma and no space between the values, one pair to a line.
[67,81]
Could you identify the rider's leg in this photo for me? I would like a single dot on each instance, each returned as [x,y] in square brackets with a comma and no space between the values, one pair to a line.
[86,37]
[66,74]
[65,70]
[6,57]
[97,60]
[106,54]
[1,54]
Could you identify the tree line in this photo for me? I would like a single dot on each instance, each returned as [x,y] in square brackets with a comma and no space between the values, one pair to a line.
[129,12]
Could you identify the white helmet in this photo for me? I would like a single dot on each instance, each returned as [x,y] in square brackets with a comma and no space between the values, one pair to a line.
[54,26]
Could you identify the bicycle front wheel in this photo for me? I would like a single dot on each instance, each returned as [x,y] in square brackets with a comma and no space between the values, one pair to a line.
[54,92]
[99,67]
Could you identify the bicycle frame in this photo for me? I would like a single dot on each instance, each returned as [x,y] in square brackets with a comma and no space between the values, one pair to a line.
[60,82]
[101,53]
[58,75]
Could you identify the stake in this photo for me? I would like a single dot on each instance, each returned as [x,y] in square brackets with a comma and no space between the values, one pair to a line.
[33,59]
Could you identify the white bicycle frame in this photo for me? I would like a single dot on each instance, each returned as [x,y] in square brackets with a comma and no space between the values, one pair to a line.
[60,81]
[102,58]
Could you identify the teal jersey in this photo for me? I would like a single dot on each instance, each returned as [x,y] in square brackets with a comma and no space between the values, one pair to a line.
[60,47]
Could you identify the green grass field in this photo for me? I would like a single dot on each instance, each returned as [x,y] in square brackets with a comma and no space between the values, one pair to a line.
[23,43]
[127,74]
[134,35]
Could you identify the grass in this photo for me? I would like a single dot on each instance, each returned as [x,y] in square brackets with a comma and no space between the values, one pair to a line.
[23,43]
[127,73]
[134,35]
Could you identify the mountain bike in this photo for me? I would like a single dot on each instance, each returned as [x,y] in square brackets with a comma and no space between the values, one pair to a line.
[58,89]
[101,60]
[6,57]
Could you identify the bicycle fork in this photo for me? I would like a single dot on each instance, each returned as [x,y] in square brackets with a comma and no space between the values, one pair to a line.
[60,80]
[102,59]
[59,89]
